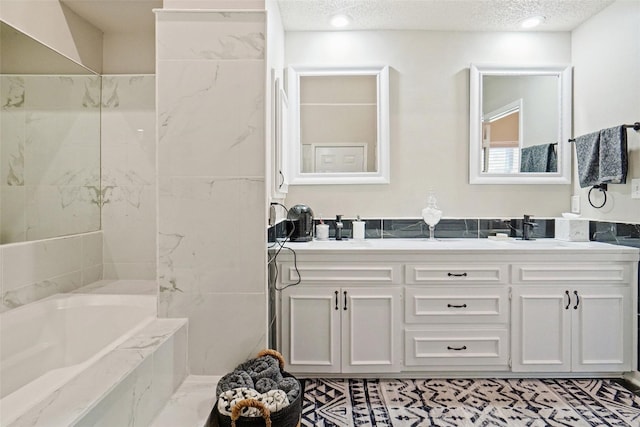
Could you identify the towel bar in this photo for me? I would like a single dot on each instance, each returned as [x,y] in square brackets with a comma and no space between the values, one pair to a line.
[635,126]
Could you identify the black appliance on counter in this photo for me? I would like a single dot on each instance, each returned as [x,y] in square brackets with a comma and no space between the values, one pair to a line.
[300,223]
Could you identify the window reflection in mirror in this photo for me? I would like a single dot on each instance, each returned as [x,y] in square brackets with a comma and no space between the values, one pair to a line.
[519,125]
[501,139]
[340,125]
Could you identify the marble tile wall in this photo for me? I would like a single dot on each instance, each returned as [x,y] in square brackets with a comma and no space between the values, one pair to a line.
[129,176]
[211,177]
[30,271]
[50,159]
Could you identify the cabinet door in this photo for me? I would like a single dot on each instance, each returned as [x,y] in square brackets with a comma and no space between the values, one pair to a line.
[371,329]
[311,329]
[541,329]
[601,328]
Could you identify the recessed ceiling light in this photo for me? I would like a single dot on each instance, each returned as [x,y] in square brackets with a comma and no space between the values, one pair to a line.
[532,22]
[340,21]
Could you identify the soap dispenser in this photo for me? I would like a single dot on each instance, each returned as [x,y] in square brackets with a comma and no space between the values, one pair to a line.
[358,229]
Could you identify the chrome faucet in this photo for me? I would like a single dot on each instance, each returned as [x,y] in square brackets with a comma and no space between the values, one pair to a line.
[339,226]
[527,227]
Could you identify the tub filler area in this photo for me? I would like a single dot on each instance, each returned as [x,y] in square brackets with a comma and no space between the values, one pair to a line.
[89,359]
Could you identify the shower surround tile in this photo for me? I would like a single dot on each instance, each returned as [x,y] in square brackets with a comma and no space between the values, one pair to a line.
[212,142]
[195,235]
[128,195]
[210,35]
[211,129]
[36,270]
[224,328]
[45,118]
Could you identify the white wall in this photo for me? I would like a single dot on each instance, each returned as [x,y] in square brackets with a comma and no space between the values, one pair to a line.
[132,53]
[55,25]
[430,120]
[606,59]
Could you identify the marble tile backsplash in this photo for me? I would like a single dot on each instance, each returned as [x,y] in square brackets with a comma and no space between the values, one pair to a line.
[473,228]
[409,228]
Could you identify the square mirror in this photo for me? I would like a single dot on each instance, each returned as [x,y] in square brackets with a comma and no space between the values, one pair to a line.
[339,125]
[519,125]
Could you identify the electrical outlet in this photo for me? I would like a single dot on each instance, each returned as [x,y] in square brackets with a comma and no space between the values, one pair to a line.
[635,188]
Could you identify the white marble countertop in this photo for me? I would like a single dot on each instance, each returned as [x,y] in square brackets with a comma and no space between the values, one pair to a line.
[446,245]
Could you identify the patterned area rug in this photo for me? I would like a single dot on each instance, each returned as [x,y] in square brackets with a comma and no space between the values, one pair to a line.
[468,402]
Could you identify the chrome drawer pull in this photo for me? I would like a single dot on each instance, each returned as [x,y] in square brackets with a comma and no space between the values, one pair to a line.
[457,274]
[464,347]
[457,306]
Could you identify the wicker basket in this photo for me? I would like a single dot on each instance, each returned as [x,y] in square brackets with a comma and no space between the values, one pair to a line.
[287,417]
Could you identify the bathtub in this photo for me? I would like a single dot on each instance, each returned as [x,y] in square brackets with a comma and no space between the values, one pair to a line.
[45,344]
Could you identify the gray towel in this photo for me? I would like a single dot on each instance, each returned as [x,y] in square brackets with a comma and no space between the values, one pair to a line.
[537,158]
[263,385]
[291,386]
[262,367]
[613,155]
[588,157]
[235,379]
[553,158]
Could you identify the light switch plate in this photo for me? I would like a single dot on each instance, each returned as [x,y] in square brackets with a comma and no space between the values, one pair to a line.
[635,188]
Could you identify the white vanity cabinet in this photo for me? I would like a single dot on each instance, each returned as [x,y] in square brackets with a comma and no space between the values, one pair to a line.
[337,322]
[456,316]
[459,307]
[572,318]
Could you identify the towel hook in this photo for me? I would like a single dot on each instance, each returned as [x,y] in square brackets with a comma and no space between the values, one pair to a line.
[603,189]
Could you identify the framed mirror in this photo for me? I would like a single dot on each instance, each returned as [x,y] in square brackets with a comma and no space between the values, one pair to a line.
[49,142]
[519,125]
[279,135]
[339,130]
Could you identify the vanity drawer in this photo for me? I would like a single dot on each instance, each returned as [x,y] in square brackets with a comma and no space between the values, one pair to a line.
[456,273]
[482,347]
[571,273]
[439,304]
[338,273]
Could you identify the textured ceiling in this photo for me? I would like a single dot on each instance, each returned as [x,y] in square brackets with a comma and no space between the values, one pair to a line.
[122,16]
[440,15]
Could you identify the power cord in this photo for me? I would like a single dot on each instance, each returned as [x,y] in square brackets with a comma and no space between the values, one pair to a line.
[273,259]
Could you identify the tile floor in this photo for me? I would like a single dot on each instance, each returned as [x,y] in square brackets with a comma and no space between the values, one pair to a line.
[191,404]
